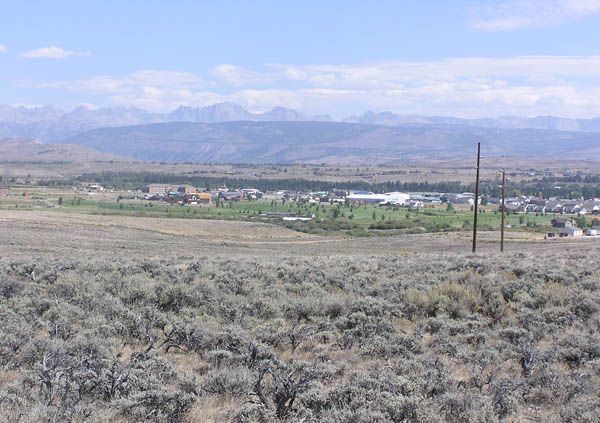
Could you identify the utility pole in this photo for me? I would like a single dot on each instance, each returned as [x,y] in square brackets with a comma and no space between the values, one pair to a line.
[476,203]
[503,211]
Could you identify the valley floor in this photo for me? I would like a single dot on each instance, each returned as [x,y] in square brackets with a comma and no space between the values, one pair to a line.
[33,233]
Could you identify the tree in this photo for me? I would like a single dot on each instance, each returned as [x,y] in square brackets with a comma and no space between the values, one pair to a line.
[336,212]
[581,222]
[576,195]
[450,208]
[60,201]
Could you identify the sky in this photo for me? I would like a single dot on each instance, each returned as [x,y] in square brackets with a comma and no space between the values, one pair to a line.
[467,58]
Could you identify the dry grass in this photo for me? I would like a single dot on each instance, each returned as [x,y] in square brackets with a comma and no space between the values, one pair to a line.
[398,328]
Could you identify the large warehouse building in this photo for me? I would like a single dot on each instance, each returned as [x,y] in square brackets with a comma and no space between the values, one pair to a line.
[395,198]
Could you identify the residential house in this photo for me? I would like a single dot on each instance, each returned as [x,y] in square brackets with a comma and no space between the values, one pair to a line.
[537,201]
[513,208]
[554,206]
[231,195]
[95,188]
[572,207]
[592,206]
[465,198]
[252,193]
[187,189]
[160,189]
[570,231]
[562,222]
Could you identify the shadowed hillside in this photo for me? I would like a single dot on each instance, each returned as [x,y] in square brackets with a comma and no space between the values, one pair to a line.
[289,142]
[25,150]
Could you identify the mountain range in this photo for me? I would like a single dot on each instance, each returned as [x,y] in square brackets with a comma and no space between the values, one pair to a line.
[329,142]
[226,132]
[50,124]
[503,122]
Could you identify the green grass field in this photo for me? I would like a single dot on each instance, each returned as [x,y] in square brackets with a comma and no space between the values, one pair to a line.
[329,218]
[343,219]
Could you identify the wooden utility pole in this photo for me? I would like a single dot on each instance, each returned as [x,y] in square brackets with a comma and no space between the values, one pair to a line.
[476,203]
[503,211]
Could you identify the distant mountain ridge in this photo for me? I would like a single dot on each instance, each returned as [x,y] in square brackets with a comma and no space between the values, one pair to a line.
[49,124]
[503,122]
[329,142]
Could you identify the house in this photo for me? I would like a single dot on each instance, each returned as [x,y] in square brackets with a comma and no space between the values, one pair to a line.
[465,198]
[186,189]
[197,198]
[512,208]
[553,206]
[231,195]
[252,193]
[570,231]
[4,191]
[562,222]
[536,201]
[95,188]
[592,206]
[160,189]
[572,207]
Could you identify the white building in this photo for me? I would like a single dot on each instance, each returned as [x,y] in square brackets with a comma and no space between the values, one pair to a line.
[95,187]
[392,198]
[572,231]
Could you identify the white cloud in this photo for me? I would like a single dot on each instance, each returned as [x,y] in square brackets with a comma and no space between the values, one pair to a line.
[2,48]
[528,85]
[151,89]
[518,14]
[52,52]
[130,83]
[236,75]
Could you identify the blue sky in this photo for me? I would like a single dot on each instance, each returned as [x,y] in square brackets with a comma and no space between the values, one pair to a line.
[460,57]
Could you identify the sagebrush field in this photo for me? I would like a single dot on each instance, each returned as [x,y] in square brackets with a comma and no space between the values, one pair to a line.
[137,319]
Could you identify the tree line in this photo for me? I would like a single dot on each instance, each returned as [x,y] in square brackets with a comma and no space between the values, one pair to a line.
[545,188]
